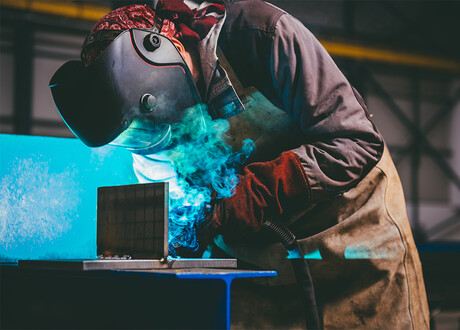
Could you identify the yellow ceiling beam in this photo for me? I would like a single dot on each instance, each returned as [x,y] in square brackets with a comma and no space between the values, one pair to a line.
[92,12]
[343,49]
[77,10]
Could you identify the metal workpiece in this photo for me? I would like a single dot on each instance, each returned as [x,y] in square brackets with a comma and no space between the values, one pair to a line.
[133,220]
[122,264]
[132,234]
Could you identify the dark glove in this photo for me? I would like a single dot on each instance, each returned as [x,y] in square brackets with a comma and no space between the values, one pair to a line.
[266,189]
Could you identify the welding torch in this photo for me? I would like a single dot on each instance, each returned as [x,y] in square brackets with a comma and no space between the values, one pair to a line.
[301,271]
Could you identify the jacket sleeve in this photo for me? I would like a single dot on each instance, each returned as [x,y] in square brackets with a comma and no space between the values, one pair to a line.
[342,144]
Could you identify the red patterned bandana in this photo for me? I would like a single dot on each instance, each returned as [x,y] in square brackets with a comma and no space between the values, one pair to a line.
[175,20]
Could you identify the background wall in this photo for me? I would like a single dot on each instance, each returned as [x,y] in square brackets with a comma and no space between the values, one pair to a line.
[402,56]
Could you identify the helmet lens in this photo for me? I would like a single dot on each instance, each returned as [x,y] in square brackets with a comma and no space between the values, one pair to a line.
[143,136]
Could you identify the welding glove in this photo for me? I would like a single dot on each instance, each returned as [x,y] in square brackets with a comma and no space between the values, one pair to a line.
[265,190]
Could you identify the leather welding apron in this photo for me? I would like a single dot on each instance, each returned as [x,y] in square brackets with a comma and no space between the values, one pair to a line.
[362,256]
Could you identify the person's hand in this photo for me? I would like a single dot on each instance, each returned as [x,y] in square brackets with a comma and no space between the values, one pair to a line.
[266,189]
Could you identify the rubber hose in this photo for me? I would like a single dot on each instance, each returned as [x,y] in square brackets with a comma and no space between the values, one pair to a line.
[301,271]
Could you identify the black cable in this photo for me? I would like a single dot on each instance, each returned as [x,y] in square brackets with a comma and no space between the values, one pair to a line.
[301,271]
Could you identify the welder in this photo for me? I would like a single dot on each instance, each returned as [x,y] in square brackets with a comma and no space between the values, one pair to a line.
[325,174]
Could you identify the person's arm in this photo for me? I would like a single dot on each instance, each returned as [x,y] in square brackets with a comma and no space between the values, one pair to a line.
[343,144]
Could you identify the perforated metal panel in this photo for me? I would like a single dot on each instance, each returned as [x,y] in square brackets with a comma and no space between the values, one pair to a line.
[133,220]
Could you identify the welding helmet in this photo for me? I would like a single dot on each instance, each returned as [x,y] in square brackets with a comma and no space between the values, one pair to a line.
[130,95]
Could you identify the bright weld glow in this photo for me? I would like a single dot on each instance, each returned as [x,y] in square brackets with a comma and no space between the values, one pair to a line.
[294,254]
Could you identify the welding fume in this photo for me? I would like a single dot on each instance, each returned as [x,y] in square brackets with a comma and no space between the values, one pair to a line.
[270,153]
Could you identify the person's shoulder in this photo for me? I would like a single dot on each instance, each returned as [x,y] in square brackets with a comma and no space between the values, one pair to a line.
[251,14]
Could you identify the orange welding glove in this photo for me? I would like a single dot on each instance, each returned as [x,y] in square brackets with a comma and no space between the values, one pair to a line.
[266,189]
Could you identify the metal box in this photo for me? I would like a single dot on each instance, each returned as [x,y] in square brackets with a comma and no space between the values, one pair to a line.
[133,220]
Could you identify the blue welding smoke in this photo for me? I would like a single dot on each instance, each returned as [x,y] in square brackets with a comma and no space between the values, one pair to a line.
[205,164]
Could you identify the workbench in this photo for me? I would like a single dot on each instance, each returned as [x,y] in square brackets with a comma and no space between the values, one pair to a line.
[121,299]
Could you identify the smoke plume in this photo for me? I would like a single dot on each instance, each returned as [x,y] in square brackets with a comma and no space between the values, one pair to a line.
[205,165]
